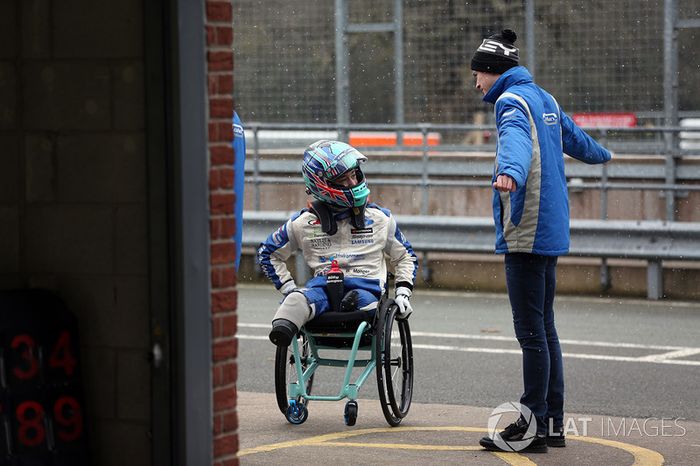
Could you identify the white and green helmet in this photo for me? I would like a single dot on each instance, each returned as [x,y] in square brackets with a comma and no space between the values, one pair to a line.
[325,161]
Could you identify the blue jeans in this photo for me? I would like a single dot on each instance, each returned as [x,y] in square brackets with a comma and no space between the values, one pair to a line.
[531,282]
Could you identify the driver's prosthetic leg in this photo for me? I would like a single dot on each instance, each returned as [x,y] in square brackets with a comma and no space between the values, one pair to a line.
[291,315]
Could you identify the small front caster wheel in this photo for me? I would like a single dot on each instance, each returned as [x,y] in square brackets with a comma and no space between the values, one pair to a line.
[350,413]
[297,412]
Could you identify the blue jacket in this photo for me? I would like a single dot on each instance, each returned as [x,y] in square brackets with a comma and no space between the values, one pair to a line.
[533,135]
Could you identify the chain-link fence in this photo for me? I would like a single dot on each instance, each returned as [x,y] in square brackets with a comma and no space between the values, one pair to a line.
[593,55]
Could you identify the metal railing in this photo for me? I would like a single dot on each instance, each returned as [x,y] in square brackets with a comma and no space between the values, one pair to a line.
[652,241]
[417,170]
[417,167]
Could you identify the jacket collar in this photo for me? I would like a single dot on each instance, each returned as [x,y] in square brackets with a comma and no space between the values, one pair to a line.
[515,75]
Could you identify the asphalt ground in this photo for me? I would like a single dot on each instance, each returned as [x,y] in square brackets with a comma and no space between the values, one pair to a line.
[632,371]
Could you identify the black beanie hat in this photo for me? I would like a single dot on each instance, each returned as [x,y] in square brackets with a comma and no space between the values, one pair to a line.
[497,54]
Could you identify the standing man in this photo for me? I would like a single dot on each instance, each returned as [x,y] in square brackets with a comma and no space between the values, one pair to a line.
[531,213]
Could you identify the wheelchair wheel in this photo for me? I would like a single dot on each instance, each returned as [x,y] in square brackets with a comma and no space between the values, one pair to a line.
[394,364]
[285,373]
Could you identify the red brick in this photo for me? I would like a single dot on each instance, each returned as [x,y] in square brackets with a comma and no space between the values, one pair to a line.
[218,423]
[217,375]
[230,422]
[228,278]
[224,350]
[224,35]
[219,11]
[225,178]
[221,154]
[224,326]
[220,178]
[219,36]
[225,444]
[232,461]
[223,277]
[220,131]
[225,84]
[229,372]
[224,398]
[221,203]
[220,61]
[222,253]
[216,277]
[217,228]
[213,179]
[221,107]
[211,35]
[229,325]
[220,84]
[228,227]
[223,301]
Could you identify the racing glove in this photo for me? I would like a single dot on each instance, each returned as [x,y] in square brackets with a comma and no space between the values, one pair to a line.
[287,287]
[401,299]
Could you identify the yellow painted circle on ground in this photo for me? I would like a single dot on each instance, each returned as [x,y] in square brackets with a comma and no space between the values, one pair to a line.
[642,456]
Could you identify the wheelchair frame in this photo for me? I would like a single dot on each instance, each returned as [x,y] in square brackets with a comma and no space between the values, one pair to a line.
[293,396]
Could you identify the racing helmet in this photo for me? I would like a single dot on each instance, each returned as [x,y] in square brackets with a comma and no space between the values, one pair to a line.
[325,161]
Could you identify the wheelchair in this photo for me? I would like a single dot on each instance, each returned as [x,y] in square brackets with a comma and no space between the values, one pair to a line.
[384,335]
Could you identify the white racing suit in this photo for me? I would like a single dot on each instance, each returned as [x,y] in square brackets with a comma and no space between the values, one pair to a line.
[360,253]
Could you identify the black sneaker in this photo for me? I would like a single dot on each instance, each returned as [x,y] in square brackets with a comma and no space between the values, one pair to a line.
[515,433]
[556,438]
[282,332]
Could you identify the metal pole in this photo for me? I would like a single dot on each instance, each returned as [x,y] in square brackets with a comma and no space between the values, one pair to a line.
[670,99]
[604,181]
[342,72]
[398,68]
[530,35]
[424,175]
[256,166]
[426,273]
[605,279]
[655,280]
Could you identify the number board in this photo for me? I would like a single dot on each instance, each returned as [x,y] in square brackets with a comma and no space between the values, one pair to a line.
[42,409]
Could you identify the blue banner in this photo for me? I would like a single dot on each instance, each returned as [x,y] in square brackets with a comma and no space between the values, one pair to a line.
[238,175]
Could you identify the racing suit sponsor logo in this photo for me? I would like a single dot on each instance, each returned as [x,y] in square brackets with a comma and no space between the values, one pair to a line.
[362,240]
[317,233]
[550,118]
[359,271]
[320,243]
[361,231]
[350,256]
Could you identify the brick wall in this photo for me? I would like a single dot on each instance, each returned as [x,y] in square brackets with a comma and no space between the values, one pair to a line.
[221,228]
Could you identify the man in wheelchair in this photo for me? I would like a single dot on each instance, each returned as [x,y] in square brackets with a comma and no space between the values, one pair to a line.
[339,225]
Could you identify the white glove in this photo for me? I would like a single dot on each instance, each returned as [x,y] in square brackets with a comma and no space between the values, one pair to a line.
[401,299]
[288,287]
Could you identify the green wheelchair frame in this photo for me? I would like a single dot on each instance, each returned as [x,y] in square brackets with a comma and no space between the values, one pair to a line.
[386,336]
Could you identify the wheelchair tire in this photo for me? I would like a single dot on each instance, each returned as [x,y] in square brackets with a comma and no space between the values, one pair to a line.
[285,373]
[394,364]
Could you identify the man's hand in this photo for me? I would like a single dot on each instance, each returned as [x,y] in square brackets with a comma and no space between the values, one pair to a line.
[402,301]
[505,183]
[288,287]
